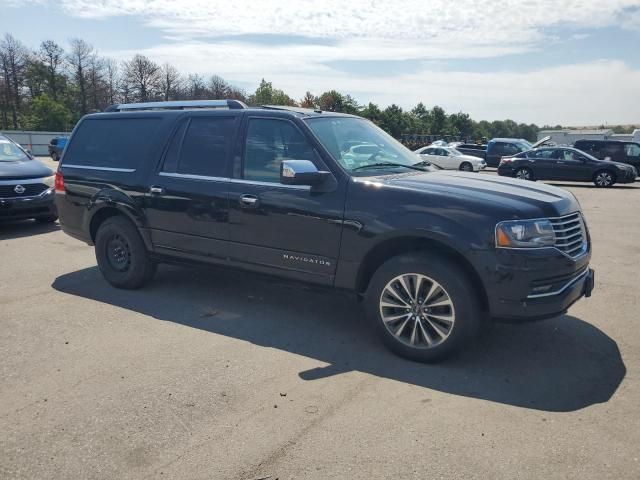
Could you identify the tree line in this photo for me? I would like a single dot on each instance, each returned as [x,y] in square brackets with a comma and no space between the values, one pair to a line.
[50,88]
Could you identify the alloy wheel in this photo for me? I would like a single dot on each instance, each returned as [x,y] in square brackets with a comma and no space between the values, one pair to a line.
[417,310]
[604,179]
[523,174]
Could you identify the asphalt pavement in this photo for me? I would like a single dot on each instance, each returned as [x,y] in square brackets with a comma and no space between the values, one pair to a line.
[214,374]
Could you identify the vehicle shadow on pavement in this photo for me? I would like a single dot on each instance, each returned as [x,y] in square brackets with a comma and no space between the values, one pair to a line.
[558,365]
[25,228]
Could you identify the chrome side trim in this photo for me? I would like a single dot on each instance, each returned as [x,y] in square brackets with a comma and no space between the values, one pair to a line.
[232,180]
[193,177]
[104,169]
[559,291]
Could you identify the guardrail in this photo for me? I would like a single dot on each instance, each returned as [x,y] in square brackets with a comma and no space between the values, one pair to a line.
[37,142]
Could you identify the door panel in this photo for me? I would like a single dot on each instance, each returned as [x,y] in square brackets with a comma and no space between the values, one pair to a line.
[187,206]
[289,230]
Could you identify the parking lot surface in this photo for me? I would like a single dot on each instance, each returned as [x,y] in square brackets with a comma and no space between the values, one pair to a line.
[212,374]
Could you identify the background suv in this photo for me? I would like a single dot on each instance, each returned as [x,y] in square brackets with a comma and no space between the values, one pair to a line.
[274,190]
[623,152]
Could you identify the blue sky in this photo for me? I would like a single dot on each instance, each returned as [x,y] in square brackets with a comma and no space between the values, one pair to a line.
[571,62]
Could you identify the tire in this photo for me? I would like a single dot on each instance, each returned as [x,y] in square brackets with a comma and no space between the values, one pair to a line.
[54,156]
[604,179]
[428,338]
[523,173]
[466,167]
[121,254]
[47,219]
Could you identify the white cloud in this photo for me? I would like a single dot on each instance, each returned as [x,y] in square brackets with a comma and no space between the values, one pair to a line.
[210,36]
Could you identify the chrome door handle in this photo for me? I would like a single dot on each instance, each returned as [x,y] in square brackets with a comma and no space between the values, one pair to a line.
[156,190]
[559,161]
[248,200]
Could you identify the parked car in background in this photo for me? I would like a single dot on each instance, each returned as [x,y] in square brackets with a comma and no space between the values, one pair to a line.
[449,158]
[565,163]
[432,254]
[56,147]
[475,150]
[26,185]
[505,147]
[617,151]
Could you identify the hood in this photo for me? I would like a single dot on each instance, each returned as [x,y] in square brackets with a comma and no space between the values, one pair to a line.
[521,199]
[23,169]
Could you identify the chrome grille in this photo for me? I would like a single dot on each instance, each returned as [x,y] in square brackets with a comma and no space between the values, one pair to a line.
[571,235]
[30,190]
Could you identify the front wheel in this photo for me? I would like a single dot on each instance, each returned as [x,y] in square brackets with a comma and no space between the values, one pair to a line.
[423,306]
[54,156]
[121,254]
[466,167]
[603,179]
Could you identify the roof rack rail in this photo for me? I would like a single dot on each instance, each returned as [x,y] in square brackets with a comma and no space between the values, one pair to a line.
[177,105]
[305,111]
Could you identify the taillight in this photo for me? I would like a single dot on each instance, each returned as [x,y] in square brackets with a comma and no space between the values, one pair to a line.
[59,182]
[505,160]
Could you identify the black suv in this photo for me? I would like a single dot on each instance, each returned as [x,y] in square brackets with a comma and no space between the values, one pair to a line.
[278,190]
[617,151]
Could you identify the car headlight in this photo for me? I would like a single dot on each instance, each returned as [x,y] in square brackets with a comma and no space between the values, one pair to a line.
[525,234]
[49,181]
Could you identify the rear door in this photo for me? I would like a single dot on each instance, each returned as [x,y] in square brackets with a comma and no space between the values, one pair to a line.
[288,230]
[187,204]
[543,164]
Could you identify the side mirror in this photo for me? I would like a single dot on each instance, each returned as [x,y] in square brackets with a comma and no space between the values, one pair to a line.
[300,172]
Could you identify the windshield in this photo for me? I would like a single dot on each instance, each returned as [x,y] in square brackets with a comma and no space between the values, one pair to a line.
[10,152]
[523,145]
[360,147]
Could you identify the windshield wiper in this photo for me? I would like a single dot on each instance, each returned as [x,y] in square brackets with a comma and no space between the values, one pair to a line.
[387,164]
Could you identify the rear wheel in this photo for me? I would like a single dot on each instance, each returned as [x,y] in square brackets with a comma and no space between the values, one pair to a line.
[466,167]
[524,174]
[121,254]
[604,179]
[423,306]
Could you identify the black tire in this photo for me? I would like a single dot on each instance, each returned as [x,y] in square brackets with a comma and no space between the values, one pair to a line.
[523,173]
[466,167]
[604,179]
[121,254]
[453,284]
[47,218]
[54,156]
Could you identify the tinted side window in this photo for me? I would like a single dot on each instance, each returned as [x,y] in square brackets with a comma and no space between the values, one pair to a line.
[632,149]
[173,153]
[269,142]
[205,146]
[112,142]
[542,154]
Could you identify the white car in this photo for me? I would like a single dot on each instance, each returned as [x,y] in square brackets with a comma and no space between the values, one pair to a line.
[451,159]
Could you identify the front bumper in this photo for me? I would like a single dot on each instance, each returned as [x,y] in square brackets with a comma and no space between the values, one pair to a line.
[481,166]
[28,207]
[533,285]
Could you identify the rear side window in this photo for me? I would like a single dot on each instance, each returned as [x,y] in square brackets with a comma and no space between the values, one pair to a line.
[112,142]
[632,149]
[200,146]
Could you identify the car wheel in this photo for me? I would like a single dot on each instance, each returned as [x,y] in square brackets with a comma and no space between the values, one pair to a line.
[524,174]
[466,167]
[604,179]
[422,306]
[121,254]
[54,156]
[47,219]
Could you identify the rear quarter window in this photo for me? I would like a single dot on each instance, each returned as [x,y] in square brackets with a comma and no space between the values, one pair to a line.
[112,142]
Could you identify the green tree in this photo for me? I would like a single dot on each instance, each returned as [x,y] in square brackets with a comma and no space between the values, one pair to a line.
[437,120]
[49,114]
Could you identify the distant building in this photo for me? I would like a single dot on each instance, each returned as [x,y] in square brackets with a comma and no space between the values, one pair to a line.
[568,136]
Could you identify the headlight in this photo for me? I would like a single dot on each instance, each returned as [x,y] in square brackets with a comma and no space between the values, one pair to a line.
[525,234]
[49,181]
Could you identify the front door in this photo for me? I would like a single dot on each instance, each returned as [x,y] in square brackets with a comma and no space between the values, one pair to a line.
[289,230]
[187,204]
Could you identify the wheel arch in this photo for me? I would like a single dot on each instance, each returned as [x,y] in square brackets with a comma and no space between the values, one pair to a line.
[392,247]
[104,210]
